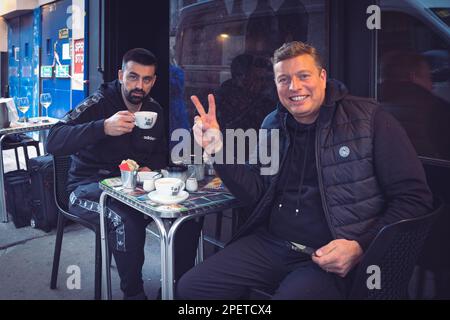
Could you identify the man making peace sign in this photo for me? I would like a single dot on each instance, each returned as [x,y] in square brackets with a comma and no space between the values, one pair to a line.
[347,169]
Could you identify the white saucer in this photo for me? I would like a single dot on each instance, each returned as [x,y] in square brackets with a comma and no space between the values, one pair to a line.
[155,197]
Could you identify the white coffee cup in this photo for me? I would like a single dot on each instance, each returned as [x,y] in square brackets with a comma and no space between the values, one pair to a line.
[191,184]
[169,187]
[145,119]
[149,185]
[146,175]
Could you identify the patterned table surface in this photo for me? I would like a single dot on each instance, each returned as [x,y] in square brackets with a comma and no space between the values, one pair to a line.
[201,202]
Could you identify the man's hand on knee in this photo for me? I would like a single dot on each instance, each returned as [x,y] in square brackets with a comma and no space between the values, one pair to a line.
[339,256]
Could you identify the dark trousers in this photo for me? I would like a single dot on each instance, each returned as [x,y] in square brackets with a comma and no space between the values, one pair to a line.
[264,262]
[126,235]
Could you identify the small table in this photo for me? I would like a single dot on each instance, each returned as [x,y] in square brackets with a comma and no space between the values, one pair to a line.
[168,219]
[33,125]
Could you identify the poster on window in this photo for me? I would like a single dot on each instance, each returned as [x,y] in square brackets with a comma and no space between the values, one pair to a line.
[79,56]
[78,65]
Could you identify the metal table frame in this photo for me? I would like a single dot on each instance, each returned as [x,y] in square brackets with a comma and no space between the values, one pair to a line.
[4,133]
[167,224]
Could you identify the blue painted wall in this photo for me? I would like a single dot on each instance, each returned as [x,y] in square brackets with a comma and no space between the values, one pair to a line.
[14,59]
[54,19]
[36,60]
[26,57]
[33,39]
[22,77]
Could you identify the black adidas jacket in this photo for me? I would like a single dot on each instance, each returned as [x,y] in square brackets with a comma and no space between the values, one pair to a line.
[95,155]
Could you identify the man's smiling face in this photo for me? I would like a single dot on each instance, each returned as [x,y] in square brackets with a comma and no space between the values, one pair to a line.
[301,87]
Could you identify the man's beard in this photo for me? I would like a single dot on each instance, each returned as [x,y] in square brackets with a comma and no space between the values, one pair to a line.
[135,99]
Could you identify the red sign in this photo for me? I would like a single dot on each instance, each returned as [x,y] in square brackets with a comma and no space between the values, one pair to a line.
[79,56]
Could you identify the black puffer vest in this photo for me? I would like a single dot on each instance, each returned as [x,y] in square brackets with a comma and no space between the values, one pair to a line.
[351,195]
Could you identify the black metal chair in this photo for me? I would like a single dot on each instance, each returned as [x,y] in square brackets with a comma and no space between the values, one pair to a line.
[21,141]
[61,169]
[395,250]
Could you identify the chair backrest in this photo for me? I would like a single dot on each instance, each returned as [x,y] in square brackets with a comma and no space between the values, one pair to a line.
[395,251]
[61,173]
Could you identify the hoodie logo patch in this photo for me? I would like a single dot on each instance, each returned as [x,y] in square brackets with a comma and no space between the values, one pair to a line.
[149,138]
[344,151]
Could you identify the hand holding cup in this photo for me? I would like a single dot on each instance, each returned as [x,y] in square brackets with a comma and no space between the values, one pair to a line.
[119,124]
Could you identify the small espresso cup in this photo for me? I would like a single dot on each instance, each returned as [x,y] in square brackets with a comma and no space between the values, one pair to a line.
[145,119]
[169,187]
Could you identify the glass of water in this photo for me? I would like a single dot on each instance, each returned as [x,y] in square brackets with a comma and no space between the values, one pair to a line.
[46,100]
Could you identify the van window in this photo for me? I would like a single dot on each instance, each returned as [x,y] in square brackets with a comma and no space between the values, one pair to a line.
[414,77]
[443,14]
[224,47]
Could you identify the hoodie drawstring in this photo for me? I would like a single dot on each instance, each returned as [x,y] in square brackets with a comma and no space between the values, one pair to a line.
[302,177]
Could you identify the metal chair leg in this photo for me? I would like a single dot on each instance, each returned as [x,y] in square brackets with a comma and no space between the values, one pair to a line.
[200,249]
[27,158]
[57,253]
[16,153]
[98,266]
[38,151]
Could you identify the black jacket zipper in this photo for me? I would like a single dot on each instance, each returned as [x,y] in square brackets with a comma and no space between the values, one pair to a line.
[320,180]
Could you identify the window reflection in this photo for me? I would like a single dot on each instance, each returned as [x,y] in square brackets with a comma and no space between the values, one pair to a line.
[406,91]
[414,78]
[244,100]
[224,47]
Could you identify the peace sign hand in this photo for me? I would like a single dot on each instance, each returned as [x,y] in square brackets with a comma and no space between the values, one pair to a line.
[206,128]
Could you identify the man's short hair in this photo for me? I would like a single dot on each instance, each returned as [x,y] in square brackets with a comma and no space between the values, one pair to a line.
[141,56]
[294,49]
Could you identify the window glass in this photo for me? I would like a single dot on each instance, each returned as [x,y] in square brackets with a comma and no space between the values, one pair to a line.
[414,74]
[443,14]
[224,47]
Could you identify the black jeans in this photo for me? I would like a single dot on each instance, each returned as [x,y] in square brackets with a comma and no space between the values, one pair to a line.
[126,235]
[264,262]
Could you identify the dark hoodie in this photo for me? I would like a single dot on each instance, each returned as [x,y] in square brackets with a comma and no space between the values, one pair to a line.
[95,155]
[297,213]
